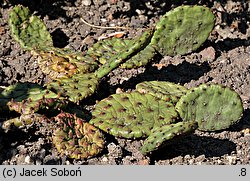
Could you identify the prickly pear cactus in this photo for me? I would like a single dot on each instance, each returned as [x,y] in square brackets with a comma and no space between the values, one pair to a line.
[75,88]
[76,138]
[162,89]
[104,50]
[26,98]
[132,115]
[80,86]
[182,30]
[63,63]
[159,135]
[136,45]
[28,29]
[142,58]
[213,106]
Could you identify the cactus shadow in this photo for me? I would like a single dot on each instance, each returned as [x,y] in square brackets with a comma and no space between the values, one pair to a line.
[229,44]
[9,141]
[243,123]
[60,39]
[179,74]
[150,7]
[194,145]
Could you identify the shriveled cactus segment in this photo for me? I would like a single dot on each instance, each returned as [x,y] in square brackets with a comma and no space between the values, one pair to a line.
[75,138]
[164,90]
[183,30]
[161,134]
[131,115]
[59,63]
[26,98]
[211,106]
[76,88]
[28,29]
[23,121]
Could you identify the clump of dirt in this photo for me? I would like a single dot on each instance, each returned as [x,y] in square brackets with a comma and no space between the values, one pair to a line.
[224,59]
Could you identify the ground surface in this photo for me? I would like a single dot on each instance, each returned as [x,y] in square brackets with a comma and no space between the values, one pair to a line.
[224,58]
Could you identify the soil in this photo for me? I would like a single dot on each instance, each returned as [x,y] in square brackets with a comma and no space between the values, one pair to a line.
[224,58]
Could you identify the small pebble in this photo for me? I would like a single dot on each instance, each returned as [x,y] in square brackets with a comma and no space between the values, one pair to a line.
[27,159]
[86,2]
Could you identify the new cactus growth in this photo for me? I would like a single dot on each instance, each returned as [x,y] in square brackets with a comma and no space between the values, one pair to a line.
[182,30]
[28,29]
[132,115]
[213,106]
[76,138]
[164,90]
[159,135]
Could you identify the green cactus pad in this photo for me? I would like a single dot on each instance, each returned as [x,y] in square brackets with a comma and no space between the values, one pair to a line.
[159,135]
[76,88]
[142,58]
[76,138]
[132,115]
[28,29]
[63,63]
[104,50]
[214,107]
[26,98]
[164,90]
[183,30]
[135,46]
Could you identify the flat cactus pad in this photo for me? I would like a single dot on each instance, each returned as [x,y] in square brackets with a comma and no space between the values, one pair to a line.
[132,115]
[142,58]
[162,89]
[76,88]
[183,30]
[213,106]
[104,50]
[28,29]
[159,135]
[76,138]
